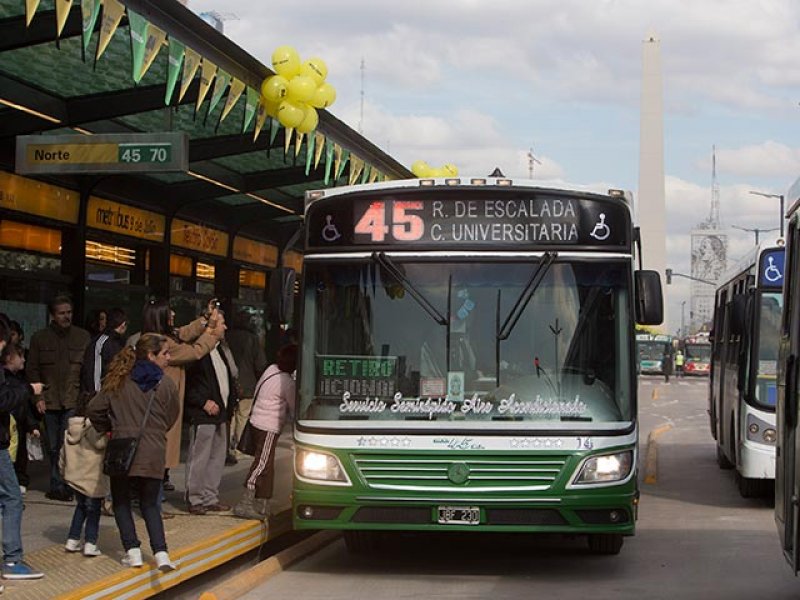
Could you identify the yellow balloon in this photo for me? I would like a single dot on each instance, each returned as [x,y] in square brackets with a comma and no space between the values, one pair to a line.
[286,61]
[316,69]
[420,168]
[290,114]
[274,88]
[300,88]
[271,108]
[450,170]
[310,120]
[324,96]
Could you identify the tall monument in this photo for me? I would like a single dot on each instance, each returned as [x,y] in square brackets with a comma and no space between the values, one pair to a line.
[650,201]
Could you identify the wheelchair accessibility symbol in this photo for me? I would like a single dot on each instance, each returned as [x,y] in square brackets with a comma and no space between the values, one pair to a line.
[329,231]
[601,231]
[772,273]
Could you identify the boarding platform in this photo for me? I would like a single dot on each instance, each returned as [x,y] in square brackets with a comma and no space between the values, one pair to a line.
[198,543]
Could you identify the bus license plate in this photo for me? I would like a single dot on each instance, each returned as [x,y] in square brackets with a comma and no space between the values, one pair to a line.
[459,515]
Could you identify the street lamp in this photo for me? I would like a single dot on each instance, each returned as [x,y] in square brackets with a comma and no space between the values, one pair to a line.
[755,230]
[780,196]
[683,306]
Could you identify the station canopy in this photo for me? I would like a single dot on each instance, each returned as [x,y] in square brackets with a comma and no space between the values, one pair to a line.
[52,82]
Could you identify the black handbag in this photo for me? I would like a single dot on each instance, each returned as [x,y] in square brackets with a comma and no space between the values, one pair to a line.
[120,452]
[247,441]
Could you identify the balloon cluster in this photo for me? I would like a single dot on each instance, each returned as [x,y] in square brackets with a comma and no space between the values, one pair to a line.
[297,91]
[422,169]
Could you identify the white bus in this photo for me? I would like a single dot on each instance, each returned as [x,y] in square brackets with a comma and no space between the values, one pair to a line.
[742,393]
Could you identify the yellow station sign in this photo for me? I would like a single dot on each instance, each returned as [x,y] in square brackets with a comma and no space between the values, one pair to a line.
[126,220]
[199,238]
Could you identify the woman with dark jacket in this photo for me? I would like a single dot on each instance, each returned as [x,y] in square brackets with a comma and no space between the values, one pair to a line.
[134,380]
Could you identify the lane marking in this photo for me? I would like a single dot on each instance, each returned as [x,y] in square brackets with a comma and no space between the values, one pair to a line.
[651,457]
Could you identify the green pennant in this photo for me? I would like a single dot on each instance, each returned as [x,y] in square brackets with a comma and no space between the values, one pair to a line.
[138,26]
[250,105]
[342,163]
[273,130]
[220,85]
[328,160]
[310,144]
[174,64]
[90,10]
[365,173]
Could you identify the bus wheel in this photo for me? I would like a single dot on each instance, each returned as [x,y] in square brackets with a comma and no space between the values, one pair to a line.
[361,542]
[751,488]
[605,543]
[722,460]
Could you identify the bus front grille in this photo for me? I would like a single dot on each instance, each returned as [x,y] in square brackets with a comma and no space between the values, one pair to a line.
[467,474]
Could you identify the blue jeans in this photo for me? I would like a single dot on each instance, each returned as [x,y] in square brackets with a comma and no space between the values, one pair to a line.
[149,490]
[86,510]
[55,423]
[11,507]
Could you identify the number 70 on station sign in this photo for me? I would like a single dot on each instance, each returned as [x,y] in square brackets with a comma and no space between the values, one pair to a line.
[103,153]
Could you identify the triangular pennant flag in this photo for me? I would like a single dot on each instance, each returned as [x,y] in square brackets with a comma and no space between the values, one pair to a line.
[356,166]
[191,61]
[328,160]
[365,173]
[138,26]
[62,12]
[30,10]
[112,15]
[341,160]
[298,143]
[174,62]
[274,127]
[250,107]
[220,85]
[310,145]
[373,177]
[237,87]
[90,10]
[261,118]
[207,72]
[319,143]
[287,140]
[155,39]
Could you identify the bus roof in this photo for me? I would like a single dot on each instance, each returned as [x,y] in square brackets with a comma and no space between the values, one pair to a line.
[748,262]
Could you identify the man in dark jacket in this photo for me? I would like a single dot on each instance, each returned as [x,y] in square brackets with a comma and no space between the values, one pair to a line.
[210,400]
[55,359]
[248,353]
[12,396]
[101,351]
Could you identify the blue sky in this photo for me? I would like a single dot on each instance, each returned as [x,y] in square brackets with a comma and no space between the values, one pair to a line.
[478,83]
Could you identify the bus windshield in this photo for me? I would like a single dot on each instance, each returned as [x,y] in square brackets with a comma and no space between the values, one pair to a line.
[652,350]
[769,324]
[441,342]
[698,352]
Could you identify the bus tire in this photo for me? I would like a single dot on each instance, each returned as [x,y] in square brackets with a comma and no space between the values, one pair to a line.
[722,460]
[752,488]
[605,543]
[361,542]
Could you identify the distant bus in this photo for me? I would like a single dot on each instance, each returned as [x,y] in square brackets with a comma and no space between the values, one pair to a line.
[742,392]
[697,355]
[651,350]
[467,361]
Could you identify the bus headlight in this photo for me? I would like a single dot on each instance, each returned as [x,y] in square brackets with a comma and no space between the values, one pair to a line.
[605,468]
[760,431]
[319,466]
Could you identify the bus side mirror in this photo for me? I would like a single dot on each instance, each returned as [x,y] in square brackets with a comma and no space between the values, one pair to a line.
[281,294]
[649,300]
[739,314]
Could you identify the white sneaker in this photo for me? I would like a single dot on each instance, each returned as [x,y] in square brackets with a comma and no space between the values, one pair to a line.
[23,490]
[73,545]
[91,550]
[133,558]
[163,562]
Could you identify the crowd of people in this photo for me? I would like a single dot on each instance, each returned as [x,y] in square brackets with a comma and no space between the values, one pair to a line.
[74,390]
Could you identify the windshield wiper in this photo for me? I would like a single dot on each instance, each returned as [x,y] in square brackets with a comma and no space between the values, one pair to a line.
[391,268]
[522,302]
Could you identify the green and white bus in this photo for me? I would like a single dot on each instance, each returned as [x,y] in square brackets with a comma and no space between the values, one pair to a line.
[468,361]
[652,350]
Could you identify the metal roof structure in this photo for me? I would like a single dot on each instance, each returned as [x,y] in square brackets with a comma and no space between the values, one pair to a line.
[233,182]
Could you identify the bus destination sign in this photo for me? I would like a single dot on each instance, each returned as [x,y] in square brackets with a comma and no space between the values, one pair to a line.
[468,221]
[102,153]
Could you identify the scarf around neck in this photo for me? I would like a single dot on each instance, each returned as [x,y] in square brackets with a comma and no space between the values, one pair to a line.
[146,374]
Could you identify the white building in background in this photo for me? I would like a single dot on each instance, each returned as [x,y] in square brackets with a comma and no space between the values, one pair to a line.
[650,201]
[709,260]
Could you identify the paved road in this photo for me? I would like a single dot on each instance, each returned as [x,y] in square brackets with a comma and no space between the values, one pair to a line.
[697,538]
